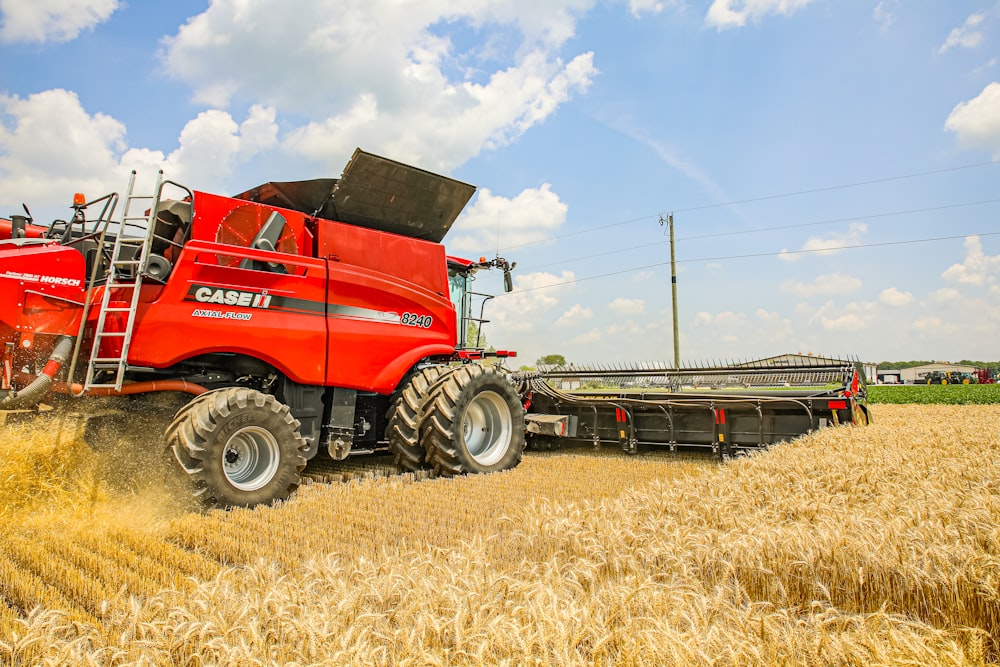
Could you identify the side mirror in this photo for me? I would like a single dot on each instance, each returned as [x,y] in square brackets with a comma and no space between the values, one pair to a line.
[508,283]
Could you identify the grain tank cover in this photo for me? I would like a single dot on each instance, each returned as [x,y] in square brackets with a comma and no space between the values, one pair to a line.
[376,193]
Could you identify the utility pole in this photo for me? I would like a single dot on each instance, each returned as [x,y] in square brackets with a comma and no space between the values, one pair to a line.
[673,287]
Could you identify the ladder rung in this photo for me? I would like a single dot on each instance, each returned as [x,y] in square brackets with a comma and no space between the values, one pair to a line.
[115,367]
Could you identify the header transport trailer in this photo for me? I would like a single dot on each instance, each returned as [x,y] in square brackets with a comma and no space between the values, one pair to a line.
[308,318]
[731,408]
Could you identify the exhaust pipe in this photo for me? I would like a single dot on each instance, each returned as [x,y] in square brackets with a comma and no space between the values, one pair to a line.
[33,394]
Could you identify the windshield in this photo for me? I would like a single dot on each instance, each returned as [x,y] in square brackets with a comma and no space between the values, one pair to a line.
[458,286]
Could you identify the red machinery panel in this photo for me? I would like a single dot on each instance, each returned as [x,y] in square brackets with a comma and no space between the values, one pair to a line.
[30,231]
[388,305]
[360,315]
[234,221]
[41,288]
[211,306]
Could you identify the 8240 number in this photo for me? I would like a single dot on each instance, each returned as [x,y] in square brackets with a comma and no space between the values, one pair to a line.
[415,320]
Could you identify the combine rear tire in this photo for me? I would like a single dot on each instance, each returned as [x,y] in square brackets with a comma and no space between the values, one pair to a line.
[238,448]
[474,423]
[403,429]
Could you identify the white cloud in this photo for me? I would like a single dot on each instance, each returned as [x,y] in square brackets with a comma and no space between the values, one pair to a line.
[51,20]
[929,323]
[493,221]
[643,277]
[575,315]
[969,35]
[724,319]
[976,122]
[730,332]
[978,267]
[211,143]
[618,332]
[626,327]
[534,295]
[894,297]
[851,317]
[727,327]
[883,14]
[51,147]
[210,146]
[845,322]
[735,13]
[637,7]
[388,76]
[622,306]
[778,328]
[587,338]
[830,283]
[945,295]
[827,246]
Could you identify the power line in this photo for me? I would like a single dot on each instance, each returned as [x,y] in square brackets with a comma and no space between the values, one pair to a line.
[582,231]
[841,187]
[759,199]
[767,229]
[836,220]
[751,255]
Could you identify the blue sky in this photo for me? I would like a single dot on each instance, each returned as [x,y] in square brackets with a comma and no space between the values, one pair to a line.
[809,149]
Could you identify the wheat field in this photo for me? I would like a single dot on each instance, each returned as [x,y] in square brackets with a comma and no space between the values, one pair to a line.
[850,546]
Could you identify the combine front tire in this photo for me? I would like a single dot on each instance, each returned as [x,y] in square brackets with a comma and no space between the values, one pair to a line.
[238,448]
[403,429]
[474,423]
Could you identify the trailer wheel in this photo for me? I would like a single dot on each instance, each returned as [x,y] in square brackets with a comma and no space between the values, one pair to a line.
[405,415]
[237,448]
[474,423]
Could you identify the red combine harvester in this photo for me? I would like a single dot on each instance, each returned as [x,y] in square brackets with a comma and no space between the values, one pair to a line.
[985,376]
[324,316]
[296,317]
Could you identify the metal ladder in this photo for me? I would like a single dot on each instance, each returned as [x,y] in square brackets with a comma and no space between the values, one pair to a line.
[123,264]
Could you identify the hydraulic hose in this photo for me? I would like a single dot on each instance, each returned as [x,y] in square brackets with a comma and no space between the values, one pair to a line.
[76,389]
[44,382]
[33,394]
[135,388]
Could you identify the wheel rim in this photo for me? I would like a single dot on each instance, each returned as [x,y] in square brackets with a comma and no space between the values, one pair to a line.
[486,427]
[250,458]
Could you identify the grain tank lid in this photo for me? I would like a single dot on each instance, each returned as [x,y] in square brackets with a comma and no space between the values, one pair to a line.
[376,193]
[309,197]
